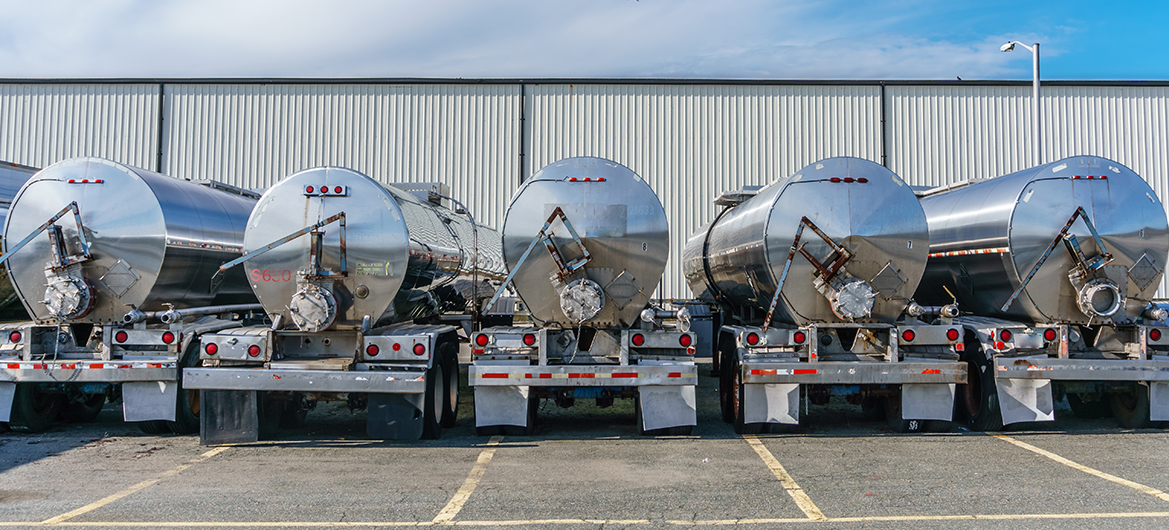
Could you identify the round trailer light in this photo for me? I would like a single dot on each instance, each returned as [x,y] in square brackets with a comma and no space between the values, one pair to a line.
[685,340]
[638,339]
[254,350]
[168,337]
[752,338]
[338,190]
[211,348]
[1155,334]
[372,350]
[799,337]
[951,334]
[396,347]
[309,189]
[1005,335]
[1049,334]
[481,340]
[15,336]
[908,335]
[529,339]
[121,336]
[419,349]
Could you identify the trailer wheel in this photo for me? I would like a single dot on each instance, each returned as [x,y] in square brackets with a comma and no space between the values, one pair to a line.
[271,410]
[738,394]
[977,403]
[433,402]
[1089,409]
[448,352]
[1131,408]
[154,427]
[873,409]
[85,410]
[186,400]
[726,354]
[295,411]
[34,410]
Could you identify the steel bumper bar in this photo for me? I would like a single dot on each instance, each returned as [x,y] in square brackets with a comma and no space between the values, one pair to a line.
[855,373]
[377,381]
[608,375]
[87,371]
[1081,369]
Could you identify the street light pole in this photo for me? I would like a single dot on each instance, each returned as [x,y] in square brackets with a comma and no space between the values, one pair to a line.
[1035,133]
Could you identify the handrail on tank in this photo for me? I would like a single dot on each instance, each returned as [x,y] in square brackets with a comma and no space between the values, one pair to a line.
[314,249]
[827,272]
[1073,248]
[542,235]
[59,258]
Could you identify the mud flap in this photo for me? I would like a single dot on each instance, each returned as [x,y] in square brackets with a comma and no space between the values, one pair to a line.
[228,416]
[771,403]
[1023,400]
[927,402]
[394,416]
[663,407]
[1158,401]
[501,405]
[7,394]
[150,400]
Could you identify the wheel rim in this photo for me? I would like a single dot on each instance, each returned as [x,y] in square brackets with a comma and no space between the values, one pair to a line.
[437,404]
[453,390]
[734,397]
[973,390]
[1127,400]
[193,401]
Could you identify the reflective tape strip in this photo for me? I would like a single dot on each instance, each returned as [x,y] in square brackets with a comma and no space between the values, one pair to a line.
[82,366]
[581,376]
[496,376]
[624,374]
[931,371]
[804,371]
[763,372]
[996,250]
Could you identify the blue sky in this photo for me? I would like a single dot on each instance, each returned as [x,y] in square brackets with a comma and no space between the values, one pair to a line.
[752,39]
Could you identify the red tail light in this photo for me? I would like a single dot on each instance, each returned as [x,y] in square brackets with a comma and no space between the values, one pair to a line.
[952,334]
[254,350]
[309,189]
[419,349]
[1005,335]
[799,337]
[685,340]
[337,190]
[1049,335]
[168,337]
[397,347]
[481,340]
[121,336]
[211,348]
[372,350]
[752,338]
[15,336]
[638,339]
[1155,334]
[529,339]
[908,335]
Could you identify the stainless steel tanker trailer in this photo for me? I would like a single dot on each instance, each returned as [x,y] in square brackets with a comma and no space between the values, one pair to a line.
[1060,263]
[354,299]
[12,177]
[114,265]
[812,276]
[586,241]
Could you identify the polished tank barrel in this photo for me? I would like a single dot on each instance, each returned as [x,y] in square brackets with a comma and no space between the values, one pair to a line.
[149,240]
[12,177]
[987,237]
[857,205]
[404,258]
[618,221]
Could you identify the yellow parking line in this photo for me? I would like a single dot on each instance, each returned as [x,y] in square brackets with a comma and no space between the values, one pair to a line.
[139,486]
[452,508]
[1113,478]
[802,500]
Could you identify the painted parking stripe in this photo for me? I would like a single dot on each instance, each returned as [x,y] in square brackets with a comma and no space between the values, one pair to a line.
[453,507]
[802,500]
[1112,478]
[132,489]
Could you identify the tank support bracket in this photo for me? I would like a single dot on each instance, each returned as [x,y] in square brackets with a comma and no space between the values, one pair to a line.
[826,271]
[566,269]
[1073,248]
[61,259]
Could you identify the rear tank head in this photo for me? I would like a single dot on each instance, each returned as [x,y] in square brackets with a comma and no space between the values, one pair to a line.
[598,240]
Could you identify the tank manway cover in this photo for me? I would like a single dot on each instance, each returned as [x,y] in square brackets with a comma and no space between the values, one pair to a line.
[1143,272]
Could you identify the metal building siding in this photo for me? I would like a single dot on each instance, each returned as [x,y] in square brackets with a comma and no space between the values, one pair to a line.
[45,123]
[466,136]
[693,142]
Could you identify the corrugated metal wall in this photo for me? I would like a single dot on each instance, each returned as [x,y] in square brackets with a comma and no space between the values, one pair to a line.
[466,136]
[689,141]
[45,123]
[692,142]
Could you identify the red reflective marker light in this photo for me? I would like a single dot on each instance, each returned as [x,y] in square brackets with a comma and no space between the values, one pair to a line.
[168,337]
[1005,335]
[908,335]
[952,334]
[849,180]
[481,340]
[685,340]
[121,336]
[419,349]
[1155,334]
[372,350]
[600,179]
[799,337]
[529,339]
[638,339]
[254,350]
[15,336]
[573,179]
[863,180]
[211,348]
[309,189]
[1049,335]
[396,347]
[337,190]
[834,179]
[752,338]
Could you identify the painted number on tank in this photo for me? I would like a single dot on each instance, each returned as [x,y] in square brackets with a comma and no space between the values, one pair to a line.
[268,275]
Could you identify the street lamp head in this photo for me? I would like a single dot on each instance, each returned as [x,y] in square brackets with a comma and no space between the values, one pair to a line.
[1007,47]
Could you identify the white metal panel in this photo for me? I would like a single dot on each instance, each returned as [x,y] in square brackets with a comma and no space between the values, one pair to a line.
[692,142]
[45,123]
[251,135]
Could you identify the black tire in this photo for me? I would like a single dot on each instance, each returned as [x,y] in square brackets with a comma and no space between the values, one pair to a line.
[1131,408]
[1089,409]
[432,403]
[295,412]
[84,411]
[738,393]
[448,352]
[681,430]
[34,410]
[873,409]
[977,403]
[187,401]
[155,427]
[725,382]
[271,409]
